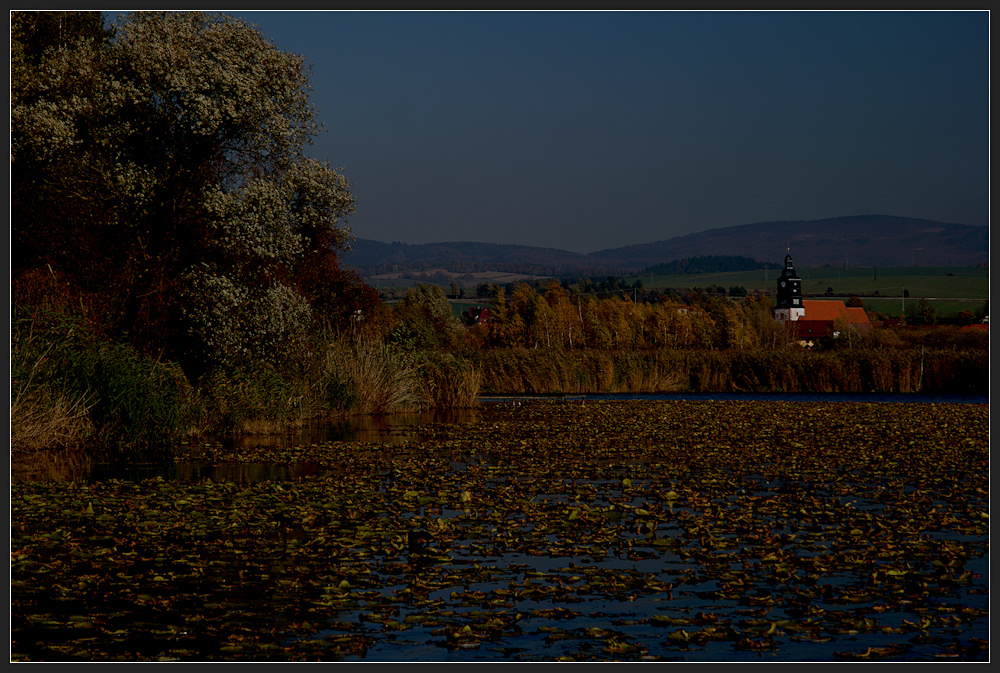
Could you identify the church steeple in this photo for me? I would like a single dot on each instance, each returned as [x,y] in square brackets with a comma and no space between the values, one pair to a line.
[789,293]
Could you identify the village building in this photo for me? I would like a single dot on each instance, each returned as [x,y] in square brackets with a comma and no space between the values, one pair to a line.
[789,306]
[809,320]
[477,315]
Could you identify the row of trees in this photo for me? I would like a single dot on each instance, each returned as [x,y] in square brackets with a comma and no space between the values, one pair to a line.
[561,317]
[709,264]
[557,319]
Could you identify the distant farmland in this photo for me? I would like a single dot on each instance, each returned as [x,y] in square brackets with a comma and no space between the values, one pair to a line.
[950,289]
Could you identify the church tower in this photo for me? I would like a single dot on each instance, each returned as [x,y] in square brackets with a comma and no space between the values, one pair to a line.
[789,294]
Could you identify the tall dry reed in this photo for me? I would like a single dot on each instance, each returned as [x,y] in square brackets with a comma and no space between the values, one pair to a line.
[371,377]
[43,419]
[792,370]
[40,415]
[449,381]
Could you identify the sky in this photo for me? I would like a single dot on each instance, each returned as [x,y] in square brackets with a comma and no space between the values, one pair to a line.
[592,130]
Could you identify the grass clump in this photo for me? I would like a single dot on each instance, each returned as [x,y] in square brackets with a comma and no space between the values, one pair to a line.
[41,416]
[368,376]
[448,380]
[69,386]
[250,400]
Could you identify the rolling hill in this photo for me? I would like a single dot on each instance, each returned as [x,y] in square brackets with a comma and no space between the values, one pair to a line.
[856,241]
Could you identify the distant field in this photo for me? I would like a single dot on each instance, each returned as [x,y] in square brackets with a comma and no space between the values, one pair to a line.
[966,282]
[950,289]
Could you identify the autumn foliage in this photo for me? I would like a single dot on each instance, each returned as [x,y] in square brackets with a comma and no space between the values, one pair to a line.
[160,187]
[164,214]
[175,265]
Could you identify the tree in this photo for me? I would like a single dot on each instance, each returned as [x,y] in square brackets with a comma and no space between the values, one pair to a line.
[923,313]
[983,312]
[965,317]
[426,312]
[505,327]
[530,317]
[733,328]
[163,172]
[57,211]
[564,314]
[759,312]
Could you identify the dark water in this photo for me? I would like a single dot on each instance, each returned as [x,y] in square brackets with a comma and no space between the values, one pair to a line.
[626,618]
[752,397]
[68,465]
[77,465]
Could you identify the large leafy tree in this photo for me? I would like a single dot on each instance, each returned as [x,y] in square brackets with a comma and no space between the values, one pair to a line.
[160,169]
[57,200]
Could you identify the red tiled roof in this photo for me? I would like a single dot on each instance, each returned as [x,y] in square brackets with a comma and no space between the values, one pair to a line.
[828,311]
[858,316]
[819,309]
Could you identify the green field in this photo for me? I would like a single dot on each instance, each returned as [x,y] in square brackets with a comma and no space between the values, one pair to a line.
[950,289]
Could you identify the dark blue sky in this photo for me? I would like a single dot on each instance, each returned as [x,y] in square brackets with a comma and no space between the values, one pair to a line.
[592,130]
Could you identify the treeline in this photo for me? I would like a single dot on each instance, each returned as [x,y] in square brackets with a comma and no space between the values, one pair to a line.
[709,264]
[615,317]
[557,318]
[409,269]
[565,341]
[603,287]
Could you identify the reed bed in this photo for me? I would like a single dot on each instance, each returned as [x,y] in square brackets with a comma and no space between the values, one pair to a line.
[448,381]
[40,419]
[527,371]
[369,377]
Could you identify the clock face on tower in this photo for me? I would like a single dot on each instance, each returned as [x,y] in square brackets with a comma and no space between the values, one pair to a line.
[782,283]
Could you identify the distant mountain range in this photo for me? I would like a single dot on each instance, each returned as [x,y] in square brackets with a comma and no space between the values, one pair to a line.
[857,241]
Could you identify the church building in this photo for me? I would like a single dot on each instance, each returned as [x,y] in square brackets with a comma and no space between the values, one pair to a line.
[789,294]
[811,319]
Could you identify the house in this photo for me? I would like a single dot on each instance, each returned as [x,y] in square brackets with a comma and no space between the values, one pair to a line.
[478,315]
[811,319]
[823,317]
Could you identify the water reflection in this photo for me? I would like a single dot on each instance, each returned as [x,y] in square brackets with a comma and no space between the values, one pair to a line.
[382,428]
[896,398]
[51,465]
[246,472]
[80,465]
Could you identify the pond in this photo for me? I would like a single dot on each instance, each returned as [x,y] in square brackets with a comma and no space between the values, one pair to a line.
[63,465]
[676,530]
